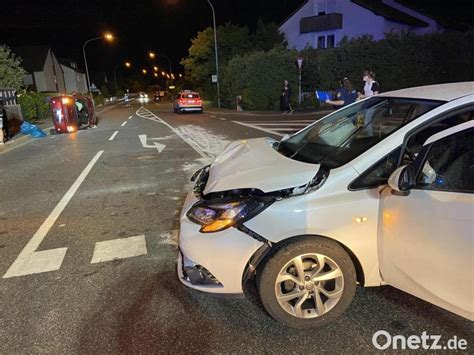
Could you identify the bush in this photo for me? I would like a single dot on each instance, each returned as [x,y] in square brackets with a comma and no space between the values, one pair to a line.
[399,61]
[99,100]
[34,106]
[258,77]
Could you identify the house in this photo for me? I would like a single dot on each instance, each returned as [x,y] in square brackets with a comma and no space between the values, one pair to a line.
[323,23]
[75,79]
[44,71]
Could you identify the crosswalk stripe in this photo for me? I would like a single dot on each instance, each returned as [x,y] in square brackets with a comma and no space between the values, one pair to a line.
[259,128]
[283,124]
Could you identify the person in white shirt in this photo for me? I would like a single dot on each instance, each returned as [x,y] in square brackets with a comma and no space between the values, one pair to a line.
[371,87]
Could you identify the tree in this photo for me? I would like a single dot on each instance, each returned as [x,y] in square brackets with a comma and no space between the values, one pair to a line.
[268,36]
[11,72]
[199,65]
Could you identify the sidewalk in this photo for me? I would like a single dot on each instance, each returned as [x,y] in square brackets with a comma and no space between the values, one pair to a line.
[47,126]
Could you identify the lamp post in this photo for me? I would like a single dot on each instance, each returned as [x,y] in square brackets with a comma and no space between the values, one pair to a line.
[108,37]
[127,65]
[215,49]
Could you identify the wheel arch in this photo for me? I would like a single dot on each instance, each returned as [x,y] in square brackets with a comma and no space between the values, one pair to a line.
[265,252]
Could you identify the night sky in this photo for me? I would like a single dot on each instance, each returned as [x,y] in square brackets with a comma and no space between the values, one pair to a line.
[164,26]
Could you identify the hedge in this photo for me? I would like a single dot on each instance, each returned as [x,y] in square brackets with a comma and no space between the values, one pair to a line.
[399,61]
[34,106]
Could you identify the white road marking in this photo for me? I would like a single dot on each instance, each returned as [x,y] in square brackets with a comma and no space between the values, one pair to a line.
[119,249]
[222,118]
[285,121]
[30,261]
[130,117]
[213,116]
[283,124]
[259,128]
[123,124]
[112,137]
[145,113]
[158,146]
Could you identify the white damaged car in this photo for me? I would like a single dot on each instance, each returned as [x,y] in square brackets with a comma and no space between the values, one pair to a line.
[307,219]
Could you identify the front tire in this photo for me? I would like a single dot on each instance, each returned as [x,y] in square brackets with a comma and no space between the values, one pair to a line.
[307,283]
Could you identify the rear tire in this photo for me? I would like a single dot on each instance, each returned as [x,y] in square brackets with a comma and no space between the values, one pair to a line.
[317,294]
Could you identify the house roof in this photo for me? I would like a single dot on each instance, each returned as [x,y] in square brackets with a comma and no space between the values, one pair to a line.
[293,13]
[33,57]
[442,92]
[390,13]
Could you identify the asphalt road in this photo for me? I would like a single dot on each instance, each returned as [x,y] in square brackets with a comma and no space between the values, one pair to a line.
[69,203]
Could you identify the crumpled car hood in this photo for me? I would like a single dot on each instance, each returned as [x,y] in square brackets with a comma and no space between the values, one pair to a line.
[255,164]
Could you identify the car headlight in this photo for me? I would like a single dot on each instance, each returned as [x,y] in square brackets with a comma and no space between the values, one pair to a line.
[215,217]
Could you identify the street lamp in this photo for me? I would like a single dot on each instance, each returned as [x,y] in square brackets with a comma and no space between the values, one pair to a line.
[144,71]
[155,68]
[151,55]
[127,64]
[109,37]
[180,75]
[215,49]
[163,73]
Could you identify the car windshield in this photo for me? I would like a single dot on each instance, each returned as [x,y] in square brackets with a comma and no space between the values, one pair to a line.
[343,135]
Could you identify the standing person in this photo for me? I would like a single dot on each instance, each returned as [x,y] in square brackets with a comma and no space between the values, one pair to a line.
[285,98]
[4,123]
[345,95]
[371,87]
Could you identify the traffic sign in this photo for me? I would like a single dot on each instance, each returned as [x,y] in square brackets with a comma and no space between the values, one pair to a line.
[300,62]
[214,78]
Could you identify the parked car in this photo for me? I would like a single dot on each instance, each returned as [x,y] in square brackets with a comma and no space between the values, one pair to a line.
[187,101]
[156,97]
[301,219]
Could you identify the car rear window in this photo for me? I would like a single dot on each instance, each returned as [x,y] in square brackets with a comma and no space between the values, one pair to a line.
[190,96]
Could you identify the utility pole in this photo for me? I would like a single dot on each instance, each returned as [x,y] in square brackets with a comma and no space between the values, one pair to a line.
[217,57]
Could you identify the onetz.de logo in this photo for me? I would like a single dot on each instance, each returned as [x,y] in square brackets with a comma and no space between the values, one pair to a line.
[383,340]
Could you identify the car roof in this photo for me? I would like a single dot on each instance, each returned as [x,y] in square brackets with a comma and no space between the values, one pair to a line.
[441,92]
[449,131]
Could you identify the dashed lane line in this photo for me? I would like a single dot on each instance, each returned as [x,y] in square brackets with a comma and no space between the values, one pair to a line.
[112,137]
[30,261]
[130,117]
[222,118]
[123,124]
[122,248]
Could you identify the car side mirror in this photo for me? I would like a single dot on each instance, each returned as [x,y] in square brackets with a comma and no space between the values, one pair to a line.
[402,179]
[285,137]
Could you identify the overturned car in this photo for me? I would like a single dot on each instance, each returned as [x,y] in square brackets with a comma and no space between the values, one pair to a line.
[303,220]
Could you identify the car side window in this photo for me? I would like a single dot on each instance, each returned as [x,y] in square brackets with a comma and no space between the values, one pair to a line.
[415,143]
[379,173]
[449,164]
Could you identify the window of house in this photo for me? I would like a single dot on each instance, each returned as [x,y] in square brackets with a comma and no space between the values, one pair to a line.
[321,41]
[330,41]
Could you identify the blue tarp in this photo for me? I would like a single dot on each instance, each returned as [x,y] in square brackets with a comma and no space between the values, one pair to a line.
[31,129]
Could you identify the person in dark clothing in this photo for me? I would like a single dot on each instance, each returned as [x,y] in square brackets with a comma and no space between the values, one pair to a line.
[345,95]
[285,98]
[4,122]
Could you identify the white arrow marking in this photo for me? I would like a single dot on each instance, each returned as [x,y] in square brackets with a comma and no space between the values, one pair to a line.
[159,147]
